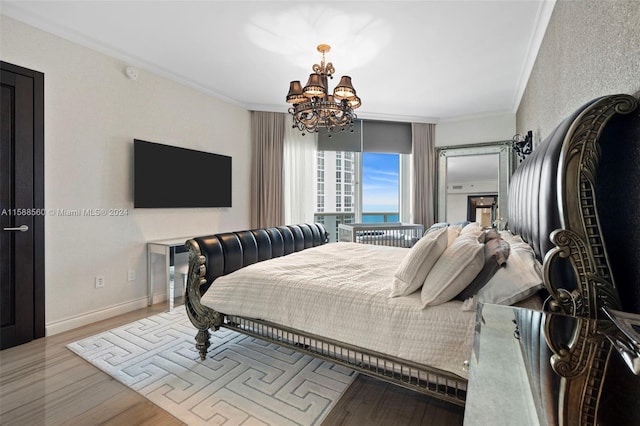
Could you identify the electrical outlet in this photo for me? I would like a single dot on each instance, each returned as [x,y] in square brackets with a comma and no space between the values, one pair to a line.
[131,275]
[99,281]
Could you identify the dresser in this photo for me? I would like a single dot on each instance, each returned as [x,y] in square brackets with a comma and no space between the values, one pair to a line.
[534,368]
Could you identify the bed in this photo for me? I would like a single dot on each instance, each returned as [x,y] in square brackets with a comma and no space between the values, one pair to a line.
[552,205]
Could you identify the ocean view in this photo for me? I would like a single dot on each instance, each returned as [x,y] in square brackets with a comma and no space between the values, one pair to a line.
[380,217]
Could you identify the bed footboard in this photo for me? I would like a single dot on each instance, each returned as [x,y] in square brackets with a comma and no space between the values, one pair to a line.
[216,255]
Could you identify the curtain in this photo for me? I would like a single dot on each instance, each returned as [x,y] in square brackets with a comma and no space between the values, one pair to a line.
[424,173]
[267,139]
[299,176]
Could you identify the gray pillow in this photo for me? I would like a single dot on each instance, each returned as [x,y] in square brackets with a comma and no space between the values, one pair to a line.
[496,253]
[489,234]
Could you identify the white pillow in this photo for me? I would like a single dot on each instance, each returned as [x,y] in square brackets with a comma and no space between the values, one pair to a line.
[518,279]
[415,266]
[472,228]
[453,233]
[454,270]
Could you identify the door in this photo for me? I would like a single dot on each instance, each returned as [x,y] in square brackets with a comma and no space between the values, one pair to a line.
[21,205]
[482,209]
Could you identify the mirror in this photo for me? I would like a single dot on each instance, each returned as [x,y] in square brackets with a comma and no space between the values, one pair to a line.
[473,182]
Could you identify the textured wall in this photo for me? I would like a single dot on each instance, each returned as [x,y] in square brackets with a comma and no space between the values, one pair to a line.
[591,48]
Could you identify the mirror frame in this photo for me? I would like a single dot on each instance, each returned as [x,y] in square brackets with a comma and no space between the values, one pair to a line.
[505,169]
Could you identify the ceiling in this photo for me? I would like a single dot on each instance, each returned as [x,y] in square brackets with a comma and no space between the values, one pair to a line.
[422,61]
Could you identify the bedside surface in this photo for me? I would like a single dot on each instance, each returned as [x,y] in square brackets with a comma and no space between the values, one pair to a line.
[499,391]
[512,379]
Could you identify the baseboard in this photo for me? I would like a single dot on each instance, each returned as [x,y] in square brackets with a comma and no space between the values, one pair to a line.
[67,324]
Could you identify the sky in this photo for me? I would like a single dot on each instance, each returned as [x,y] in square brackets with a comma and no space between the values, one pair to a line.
[380,174]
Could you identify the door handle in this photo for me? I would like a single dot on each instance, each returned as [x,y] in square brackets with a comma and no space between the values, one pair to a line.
[22,228]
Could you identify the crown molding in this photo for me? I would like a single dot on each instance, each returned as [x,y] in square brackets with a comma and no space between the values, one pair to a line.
[543,16]
[13,11]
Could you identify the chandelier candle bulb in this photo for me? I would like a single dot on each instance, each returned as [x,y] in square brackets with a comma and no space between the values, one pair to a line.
[313,108]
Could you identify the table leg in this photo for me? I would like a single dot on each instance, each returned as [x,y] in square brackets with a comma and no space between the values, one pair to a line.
[167,271]
[149,277]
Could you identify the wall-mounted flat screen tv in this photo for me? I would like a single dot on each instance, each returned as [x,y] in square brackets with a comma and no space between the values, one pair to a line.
[169,176]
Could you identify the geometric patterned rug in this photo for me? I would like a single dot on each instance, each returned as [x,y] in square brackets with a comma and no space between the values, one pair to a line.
[243,381]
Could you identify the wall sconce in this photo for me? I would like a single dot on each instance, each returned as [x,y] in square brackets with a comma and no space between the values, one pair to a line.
[522,145]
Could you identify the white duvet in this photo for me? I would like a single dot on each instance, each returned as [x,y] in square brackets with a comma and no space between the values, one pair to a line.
[341,291]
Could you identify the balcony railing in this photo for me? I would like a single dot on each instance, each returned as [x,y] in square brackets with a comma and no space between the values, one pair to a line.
[331,220]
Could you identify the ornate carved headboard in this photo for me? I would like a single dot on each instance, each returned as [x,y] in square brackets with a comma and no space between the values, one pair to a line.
[575,199]
[553,206]
[618,198]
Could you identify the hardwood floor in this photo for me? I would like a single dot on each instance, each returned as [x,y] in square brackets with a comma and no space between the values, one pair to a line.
[371,402]
[44,383]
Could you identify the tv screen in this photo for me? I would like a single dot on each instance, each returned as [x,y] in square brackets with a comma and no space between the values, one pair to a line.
[168,176]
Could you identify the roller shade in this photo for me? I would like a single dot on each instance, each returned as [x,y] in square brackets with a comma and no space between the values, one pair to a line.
[386,136]
[370,136]
[342,141]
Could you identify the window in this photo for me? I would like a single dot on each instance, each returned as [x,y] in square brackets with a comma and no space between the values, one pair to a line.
[348,202]
[360,174]
[380,187]
[337,199]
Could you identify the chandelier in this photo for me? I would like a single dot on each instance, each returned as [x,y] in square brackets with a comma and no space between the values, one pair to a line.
[314,109]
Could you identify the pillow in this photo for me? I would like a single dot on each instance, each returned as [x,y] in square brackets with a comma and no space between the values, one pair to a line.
[489,234]
[511,238]
[462,223]
[453,232]
[435,227]
[496,253]
[473,228]
[498,249]
[520,278]
[453,271]
[415,266]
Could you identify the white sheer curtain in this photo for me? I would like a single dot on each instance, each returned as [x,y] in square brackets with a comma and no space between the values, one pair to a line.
[299,164]
[424,173]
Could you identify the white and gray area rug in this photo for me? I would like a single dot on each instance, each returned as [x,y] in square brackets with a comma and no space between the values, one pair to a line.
[243,380]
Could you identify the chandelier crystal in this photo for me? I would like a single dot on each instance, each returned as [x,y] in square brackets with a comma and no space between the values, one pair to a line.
[314,109]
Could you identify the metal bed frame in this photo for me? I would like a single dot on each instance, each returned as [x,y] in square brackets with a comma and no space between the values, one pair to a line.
[578,240]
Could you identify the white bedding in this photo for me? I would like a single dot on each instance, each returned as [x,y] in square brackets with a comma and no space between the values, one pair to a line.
[341,291]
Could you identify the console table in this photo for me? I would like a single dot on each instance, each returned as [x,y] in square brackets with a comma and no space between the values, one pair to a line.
[166,250]
[536,368]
